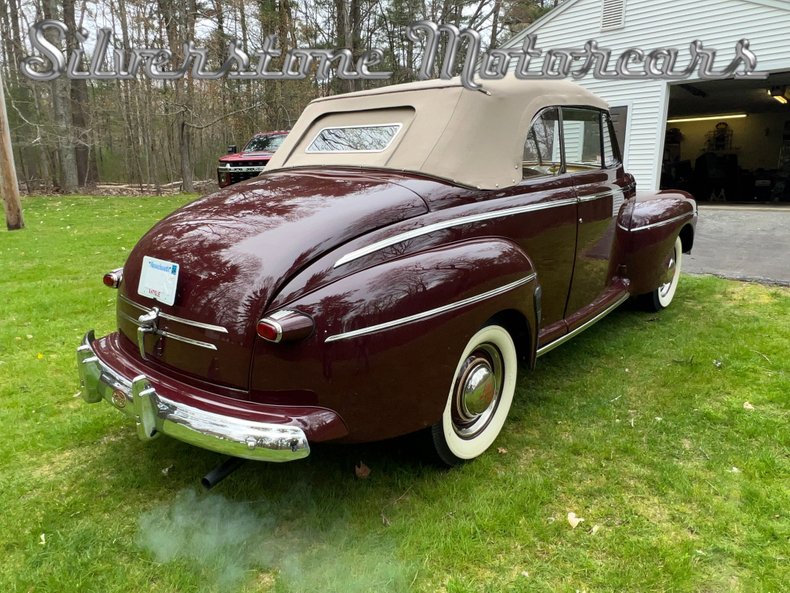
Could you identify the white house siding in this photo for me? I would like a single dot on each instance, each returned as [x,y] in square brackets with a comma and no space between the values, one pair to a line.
[651,24]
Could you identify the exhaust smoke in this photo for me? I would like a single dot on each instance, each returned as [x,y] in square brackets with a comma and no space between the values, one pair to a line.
[229,542]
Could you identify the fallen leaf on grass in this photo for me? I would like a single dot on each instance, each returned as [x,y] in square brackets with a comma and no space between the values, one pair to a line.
[501,451]
[42,539]
[748,406]
[362,471]
[166,470]
[525,574]
[734,470]
[574,520]
[595,529]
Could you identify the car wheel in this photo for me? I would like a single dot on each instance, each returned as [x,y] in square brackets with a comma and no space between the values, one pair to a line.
[480,396]
[662,296]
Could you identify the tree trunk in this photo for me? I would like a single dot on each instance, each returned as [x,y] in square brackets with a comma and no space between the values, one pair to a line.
[495,24]
[86,159]
[61,108]
[9,187]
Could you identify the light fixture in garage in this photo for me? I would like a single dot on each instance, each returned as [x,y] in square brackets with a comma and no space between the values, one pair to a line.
[681,120]
[779,93]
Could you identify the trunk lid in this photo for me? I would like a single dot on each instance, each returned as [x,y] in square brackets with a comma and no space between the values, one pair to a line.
[235,249]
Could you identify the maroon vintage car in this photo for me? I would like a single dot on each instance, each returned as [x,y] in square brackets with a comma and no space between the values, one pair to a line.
[403,252]
[240,166]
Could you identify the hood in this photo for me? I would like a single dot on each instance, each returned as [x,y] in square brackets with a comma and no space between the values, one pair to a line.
[237,247]
[246,156]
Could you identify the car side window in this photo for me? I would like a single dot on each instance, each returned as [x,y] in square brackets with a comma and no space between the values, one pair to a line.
[542,154]
[611,156]
[582,137]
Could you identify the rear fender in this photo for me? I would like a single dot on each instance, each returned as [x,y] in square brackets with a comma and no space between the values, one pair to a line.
[657,220]
[388,338]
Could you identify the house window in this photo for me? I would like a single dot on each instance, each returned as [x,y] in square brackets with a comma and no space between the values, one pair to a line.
[612,15]
[581,129]
[611,155]
[619,117]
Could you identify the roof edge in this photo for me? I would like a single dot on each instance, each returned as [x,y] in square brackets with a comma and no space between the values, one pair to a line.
[554,13]
[549,16]
[779,4]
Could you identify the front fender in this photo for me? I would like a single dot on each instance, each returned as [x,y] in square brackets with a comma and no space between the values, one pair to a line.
[388,338]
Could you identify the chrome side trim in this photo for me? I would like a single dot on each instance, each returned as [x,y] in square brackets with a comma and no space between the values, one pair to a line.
[591,197]
[425,314]
[206,345]
[199,324]
[129,301]
[663,222]
[167,334]
[130,318]
[446,224]
[586,325]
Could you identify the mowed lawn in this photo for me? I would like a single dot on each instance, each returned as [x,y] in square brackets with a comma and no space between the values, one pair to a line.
[667,433]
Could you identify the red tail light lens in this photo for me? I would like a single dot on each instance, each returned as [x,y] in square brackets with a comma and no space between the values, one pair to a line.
[113,279]
[270,330]
[285,326]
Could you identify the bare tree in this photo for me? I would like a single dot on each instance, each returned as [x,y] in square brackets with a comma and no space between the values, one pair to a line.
[61,109]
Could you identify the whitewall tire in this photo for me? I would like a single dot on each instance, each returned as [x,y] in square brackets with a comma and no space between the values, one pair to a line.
[662,296]
[480,396]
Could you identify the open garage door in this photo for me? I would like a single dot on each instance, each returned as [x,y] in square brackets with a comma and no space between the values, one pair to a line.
[729,140]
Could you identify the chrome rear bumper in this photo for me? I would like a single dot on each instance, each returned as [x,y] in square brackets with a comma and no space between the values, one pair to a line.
[156,414]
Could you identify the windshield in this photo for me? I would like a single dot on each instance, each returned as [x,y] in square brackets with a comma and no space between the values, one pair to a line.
[265,143]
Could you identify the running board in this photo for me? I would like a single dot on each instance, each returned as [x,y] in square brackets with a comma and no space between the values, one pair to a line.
[561,340]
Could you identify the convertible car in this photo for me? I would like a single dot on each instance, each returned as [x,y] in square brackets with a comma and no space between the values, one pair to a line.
[404,251]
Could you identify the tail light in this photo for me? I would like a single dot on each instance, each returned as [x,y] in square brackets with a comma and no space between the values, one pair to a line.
[285,326]
[113,279]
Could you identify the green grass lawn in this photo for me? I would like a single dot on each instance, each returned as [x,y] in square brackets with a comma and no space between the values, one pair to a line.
[640,425]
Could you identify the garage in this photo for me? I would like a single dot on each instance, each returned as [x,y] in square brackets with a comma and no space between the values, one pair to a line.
[724,140]
[729,140]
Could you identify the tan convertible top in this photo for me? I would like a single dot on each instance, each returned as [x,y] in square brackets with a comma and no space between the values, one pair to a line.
[473,138]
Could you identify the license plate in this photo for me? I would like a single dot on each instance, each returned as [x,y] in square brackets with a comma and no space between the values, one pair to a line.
[158,280]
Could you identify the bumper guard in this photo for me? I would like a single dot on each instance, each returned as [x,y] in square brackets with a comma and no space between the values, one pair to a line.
[155,414]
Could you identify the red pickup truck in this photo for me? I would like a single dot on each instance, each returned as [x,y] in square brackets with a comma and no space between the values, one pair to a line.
[240,166]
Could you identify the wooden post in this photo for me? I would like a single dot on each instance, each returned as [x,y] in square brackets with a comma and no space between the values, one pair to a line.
[9,188]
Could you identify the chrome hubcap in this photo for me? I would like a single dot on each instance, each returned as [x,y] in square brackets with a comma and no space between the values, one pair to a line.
[477,391]
[665,288]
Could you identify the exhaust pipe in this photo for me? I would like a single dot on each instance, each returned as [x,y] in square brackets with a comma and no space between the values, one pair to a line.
[222,471]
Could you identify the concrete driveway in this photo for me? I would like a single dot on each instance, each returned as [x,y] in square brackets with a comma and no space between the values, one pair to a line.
[743,243]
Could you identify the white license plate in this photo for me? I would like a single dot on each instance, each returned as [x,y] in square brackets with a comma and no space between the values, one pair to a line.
[158,280]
